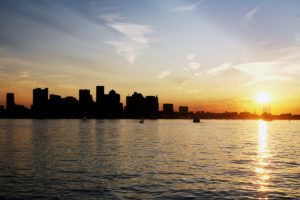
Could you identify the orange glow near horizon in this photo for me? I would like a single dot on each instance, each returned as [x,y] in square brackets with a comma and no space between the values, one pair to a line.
[208,103]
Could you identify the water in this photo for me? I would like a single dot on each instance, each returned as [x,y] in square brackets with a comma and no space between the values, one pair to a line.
[160,159]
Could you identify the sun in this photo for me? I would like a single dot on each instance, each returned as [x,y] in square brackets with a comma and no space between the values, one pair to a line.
[262,98]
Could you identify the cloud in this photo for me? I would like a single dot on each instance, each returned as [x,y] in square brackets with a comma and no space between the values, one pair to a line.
[163,74]
[251,13]
[219,69]
[220,89]
[194,90]
[190,57]
[265,43]
[197,74]
[112,17]
[263,71]
[185,69]
[134,42]
[282,65]
[189,7]
[134,32]
[260,71]
[24,74]
[247,20]
[192,64]
[129,50]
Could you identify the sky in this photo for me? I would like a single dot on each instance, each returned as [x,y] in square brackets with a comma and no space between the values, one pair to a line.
[210,55]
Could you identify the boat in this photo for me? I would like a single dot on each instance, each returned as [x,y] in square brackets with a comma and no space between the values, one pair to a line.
[196,120]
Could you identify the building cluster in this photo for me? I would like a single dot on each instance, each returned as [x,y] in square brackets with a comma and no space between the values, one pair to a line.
[109,106]
[105,106]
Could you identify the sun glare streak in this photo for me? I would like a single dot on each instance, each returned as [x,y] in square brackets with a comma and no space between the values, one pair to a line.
[262,155]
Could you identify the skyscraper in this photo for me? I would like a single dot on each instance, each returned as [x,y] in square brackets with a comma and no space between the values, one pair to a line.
[151,106]
[40,100]
[135,106]
[183,111]
[99,94]
[113,104]
[85,101]
[10,101]
[168,108]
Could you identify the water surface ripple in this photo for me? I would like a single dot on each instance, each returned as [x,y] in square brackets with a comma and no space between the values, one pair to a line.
[160,159]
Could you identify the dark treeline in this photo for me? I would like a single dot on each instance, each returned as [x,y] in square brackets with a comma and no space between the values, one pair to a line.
[108,106]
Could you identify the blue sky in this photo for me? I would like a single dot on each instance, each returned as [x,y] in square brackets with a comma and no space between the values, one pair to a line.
[208,54]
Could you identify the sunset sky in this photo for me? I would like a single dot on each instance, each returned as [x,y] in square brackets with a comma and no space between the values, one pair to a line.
[211,55]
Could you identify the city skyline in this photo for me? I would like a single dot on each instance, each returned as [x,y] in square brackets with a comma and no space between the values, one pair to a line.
[208,55]
[46,104]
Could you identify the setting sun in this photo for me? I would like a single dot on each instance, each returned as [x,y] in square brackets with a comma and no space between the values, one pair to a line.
[262,98]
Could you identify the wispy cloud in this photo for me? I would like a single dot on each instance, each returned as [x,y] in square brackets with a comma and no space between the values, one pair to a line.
[251,13]
[248,19]
[129,50]
[263,71]
[164,74]
[189,7]
[216,70]
[197,74]
[111,17]
[192,64]
[134,32]
[260,71]
[265,43]
[135,37]
[282,65]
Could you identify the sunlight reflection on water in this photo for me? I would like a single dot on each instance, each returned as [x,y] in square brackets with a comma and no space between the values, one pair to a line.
[262,157]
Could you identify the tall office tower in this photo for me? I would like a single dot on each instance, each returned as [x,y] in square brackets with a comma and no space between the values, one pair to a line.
[10,101]
[135,105]
[183,110]
[85,101]
[168,108]
[151,106]
[99,94]
[40,100]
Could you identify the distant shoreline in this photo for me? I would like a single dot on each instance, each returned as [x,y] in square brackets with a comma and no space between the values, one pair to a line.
[138,118]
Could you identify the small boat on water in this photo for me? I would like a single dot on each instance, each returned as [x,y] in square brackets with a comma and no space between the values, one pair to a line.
[196,120]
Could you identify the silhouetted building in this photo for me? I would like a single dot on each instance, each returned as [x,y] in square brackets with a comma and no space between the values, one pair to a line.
[70,106]
[10,101]
[135,106]
[183,111]
[287,116]
[99,94]
[40,100]
[85,102]
[112,104]
[1,108]
[151,107]
[108,105]
[13,110]
[168,108]
[55,105]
